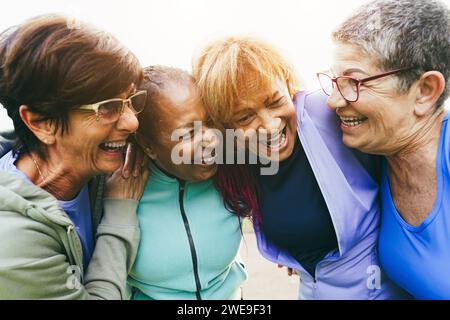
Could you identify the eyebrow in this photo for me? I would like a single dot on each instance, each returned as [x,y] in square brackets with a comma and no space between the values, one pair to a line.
[243,111]
[266,102]
[189,125]
[355,70]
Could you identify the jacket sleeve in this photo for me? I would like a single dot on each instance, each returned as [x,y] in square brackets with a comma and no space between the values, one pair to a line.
[6,142]
[35,262]
[115,251]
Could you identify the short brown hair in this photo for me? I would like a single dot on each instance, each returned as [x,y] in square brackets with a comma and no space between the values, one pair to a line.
[223,68]
[53,66]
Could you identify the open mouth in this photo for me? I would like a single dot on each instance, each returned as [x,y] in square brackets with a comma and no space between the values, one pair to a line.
[209,160]
[277,141]
[352,121]
[113,147]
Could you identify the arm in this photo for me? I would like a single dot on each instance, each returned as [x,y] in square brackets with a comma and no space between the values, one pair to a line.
[115,250]
[39,255]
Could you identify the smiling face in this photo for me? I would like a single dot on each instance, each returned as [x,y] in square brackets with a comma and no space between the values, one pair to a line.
[382,120]
[270,114]
[177,108]
[93,148]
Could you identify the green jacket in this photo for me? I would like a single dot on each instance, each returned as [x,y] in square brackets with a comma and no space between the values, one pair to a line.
[40,252]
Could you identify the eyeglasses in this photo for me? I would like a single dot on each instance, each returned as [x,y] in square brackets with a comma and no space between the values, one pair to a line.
[349,87]
[110,110]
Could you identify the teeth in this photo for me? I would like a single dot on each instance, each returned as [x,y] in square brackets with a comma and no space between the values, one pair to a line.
[115,144]
[281,141]
[352,121]
[209,160]
[275,138]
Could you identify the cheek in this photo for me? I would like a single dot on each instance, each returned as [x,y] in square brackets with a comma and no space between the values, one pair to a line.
[85,138]
[176,150]
[289,112]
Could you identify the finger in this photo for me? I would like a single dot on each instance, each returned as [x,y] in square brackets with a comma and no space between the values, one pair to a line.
[279,266]
[145,160]
[289,272]
[145,175]
[118,172]
[139,156]
[138,162]
[143,156]
[129,160]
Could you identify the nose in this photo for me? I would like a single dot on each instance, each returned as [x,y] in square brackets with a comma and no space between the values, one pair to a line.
[210,138]
[336,100]
[269,122]
[127,121]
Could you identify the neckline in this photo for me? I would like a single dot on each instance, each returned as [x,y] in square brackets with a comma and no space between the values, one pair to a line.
[437,202]
[162,174]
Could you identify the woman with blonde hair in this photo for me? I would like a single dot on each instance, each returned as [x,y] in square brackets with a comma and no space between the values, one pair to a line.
[319,214]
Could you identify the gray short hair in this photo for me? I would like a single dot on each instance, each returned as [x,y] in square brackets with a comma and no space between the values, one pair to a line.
[402,33]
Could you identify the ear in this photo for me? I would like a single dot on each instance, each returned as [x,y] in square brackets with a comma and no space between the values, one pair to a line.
[145,146]
[429,88]
[43,130]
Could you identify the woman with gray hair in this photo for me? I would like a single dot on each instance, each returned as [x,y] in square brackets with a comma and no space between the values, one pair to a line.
[390,78]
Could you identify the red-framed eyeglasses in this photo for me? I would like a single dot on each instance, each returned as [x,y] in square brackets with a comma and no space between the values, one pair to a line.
[349,87]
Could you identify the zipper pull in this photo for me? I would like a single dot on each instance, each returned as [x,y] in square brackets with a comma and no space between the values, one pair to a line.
[182,183]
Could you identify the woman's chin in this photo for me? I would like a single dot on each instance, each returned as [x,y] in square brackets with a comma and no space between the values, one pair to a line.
[110,167]
[350,141]
[204,172]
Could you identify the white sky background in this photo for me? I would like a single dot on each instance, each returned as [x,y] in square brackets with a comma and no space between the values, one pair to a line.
[169,31]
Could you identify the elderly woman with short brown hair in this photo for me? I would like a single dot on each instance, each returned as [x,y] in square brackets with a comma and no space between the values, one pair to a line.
[70,91]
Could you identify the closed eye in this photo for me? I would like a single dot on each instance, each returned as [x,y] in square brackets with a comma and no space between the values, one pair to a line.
[246,119]
[277,103]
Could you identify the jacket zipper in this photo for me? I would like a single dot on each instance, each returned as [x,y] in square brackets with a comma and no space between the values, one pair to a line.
[191,240]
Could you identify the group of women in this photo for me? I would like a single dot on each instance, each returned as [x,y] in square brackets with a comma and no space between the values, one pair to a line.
[356,208]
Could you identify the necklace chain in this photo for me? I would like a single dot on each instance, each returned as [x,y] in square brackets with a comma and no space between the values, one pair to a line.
[44,181]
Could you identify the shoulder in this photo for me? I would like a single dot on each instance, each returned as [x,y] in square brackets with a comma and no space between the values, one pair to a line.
[310,99]
[26,241]
[6,142]
[34,259]
[314,104]
[29,217]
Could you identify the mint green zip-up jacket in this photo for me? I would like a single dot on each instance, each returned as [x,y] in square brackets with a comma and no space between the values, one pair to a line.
[189,243]
[40,252]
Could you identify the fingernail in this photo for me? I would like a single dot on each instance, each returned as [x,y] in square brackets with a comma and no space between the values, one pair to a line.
[126,173]
[136,173]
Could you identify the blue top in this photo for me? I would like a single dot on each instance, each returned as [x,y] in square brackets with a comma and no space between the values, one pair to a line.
[78,209]
[418,258]
[295,216]
[189,243]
